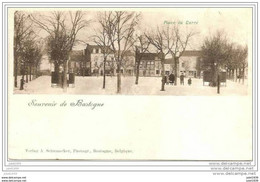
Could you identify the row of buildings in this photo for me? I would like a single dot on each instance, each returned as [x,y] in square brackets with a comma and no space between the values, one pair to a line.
[89,62]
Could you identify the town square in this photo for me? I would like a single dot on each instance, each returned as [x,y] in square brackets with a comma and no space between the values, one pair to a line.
[122,52]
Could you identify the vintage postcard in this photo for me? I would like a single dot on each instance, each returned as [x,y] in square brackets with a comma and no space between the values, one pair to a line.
[161,84]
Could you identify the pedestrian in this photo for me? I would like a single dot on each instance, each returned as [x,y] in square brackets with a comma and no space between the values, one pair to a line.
[182,79]
[172,78]
[189,81]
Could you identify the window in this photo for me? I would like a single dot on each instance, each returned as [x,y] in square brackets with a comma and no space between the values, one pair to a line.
[157,72]
[182,64]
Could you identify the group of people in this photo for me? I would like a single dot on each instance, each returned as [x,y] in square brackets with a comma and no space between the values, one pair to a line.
[170,79]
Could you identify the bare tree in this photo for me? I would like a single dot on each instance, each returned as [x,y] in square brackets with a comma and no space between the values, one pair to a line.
[160,42]
[237,61]
[120,29]
[62,29]
[22,31]
[142,45]
[243,60]
[101,38]
[28,58]
[177,42]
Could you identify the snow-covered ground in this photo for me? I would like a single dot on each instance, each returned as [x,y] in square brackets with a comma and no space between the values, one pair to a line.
[146,86]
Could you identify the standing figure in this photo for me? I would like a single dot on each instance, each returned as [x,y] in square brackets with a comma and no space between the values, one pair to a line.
[182,79]
[189,81]
[171,78]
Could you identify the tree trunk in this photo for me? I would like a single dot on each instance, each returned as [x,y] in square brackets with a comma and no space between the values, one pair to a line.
[236,75]
[137,72]
[163,75]
[104,74]
[214,76]
[239,74]
[36,71]
[175,70]
[15,70]
[22,82]
[243,72]
[30,72]
[232,75]
[65,76]
[26,74]
[119,79]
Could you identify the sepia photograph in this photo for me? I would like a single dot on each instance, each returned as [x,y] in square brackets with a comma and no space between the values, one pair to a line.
[133,51]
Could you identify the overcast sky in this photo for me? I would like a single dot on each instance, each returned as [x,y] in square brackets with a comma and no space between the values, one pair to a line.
[235,22]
